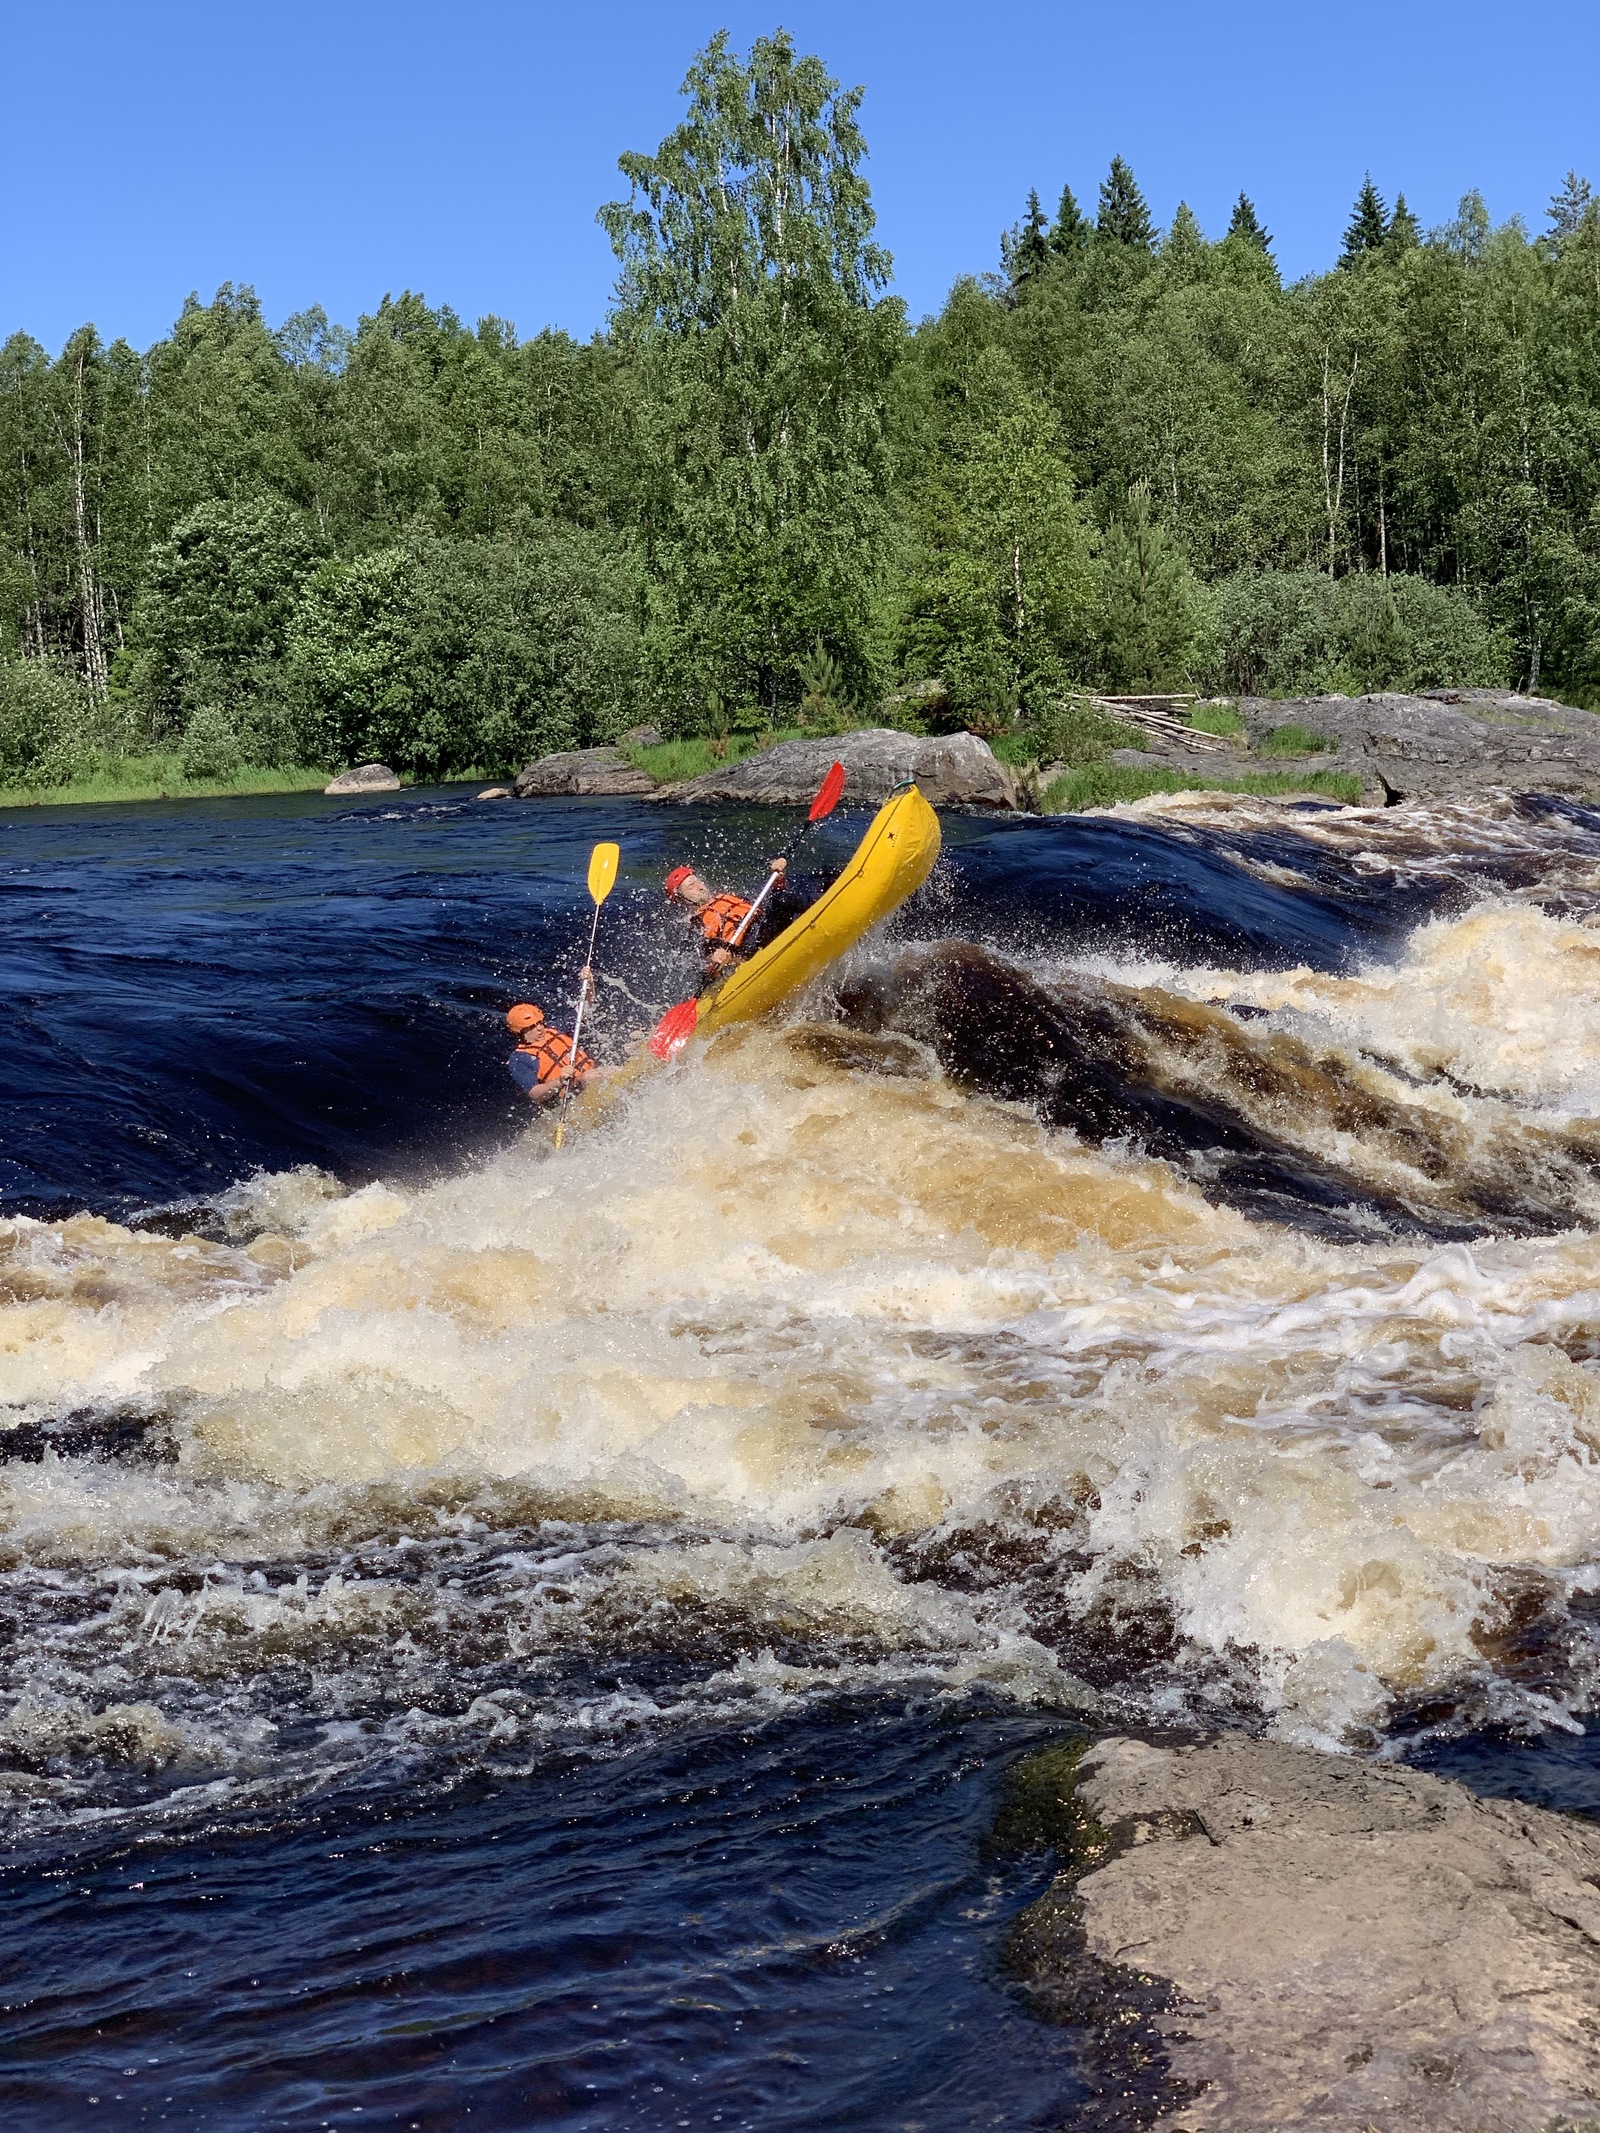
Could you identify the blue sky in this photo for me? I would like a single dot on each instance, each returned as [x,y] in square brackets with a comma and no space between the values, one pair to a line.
[330,152]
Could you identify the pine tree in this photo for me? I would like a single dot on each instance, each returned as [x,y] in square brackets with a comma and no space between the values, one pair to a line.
[1369,224]
[1184,248]
[1244,222]
[1029,249]
[1124,218]
[1147,599]
[1405,231]
[1567,207]
[1070,230]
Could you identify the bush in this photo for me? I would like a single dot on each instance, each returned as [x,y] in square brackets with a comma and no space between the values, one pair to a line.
[51,729]
[211,749]
[1297,632]
[458,654]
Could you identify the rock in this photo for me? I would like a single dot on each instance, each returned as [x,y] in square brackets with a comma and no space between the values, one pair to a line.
[641,737]
[495,792]
[1349,1946]
[370,777]
[953,770]
[591,771]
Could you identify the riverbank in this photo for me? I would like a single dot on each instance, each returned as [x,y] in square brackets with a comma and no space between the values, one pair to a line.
[159,777]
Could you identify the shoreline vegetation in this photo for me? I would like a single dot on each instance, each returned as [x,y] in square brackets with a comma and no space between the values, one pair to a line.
[160,777]
[1126,461]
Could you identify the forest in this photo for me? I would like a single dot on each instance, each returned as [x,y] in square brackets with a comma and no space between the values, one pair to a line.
[1122,458]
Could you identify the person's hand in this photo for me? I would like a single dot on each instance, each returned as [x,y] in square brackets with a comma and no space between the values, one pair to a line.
[778,866]
[719,959]
[588,981]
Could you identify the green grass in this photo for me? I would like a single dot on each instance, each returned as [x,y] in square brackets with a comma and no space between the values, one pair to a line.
[672,761]
[1216,718]
[158,777]
[1104,784]
[1296,740]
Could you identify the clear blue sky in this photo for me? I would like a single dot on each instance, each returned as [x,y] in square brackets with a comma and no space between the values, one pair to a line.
[330,152]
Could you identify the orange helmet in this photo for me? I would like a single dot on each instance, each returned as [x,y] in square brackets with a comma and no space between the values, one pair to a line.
[676,879]
[523,1016]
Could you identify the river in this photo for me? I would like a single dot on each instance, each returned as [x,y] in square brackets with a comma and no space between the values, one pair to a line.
[510,1638]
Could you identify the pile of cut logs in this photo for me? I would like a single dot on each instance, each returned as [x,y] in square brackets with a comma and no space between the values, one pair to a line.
[1154,715]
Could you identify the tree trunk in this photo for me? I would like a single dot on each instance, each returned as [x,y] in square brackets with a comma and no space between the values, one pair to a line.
[94,650]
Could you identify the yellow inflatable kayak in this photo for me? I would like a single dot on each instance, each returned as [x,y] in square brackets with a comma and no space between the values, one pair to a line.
[893,858]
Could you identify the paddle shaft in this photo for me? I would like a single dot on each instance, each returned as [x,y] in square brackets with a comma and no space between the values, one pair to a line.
[577,1029]
[770,884]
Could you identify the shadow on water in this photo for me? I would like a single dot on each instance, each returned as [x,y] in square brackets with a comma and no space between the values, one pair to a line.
[796,1927]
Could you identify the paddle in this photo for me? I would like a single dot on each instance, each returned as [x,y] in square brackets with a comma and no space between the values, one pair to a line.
[602,874]
[674,1029]
[824,804]
[677,1025]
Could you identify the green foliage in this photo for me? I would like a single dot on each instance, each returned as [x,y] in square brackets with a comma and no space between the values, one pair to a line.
[156,777]
[1148,601]
[671,761]
[825,706]
[1246,224]
[213,619]
[1025,250]
[1368,225]
[1216,718]
[1302,633]
[211,746]
[438,542]
[1073,730]
[1105,784]
[449,654]
[1124,218]
[1071,230]
[1000,599]
[1569,207]
[1295,739]
[748,297]
[49,724]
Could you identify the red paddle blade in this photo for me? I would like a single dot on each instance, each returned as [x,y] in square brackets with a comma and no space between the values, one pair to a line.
[674,1029]
[827,794]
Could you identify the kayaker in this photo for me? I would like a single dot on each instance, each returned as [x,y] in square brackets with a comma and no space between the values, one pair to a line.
[717,918]
[543,1063]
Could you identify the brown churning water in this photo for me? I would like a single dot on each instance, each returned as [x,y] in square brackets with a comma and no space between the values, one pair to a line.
[1238,1360]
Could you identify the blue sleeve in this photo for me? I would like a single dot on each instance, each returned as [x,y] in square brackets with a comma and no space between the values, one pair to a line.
[523,1068]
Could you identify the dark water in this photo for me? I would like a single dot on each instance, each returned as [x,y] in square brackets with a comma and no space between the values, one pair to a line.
[794,1917]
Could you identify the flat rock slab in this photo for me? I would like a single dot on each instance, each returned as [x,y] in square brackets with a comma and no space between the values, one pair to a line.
[369,777]
[953,770]
[581,772]
[1449,743]
[1350,1946]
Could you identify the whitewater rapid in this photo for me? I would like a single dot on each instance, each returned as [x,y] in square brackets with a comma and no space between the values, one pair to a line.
[803,1369]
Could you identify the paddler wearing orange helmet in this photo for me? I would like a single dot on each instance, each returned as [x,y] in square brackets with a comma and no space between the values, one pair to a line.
[717,918]
[544,1062]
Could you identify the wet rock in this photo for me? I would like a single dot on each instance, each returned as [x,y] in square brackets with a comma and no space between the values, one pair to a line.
[582,772]
[1347,1946]
[495,792]
[953,770]
[367,777]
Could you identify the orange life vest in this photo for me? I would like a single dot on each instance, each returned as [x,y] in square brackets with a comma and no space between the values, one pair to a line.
[719,920]
[552,1048]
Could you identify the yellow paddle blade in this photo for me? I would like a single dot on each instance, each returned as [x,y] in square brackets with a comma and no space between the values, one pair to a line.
[603,870]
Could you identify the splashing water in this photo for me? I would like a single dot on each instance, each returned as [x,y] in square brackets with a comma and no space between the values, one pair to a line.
[1224,1350]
